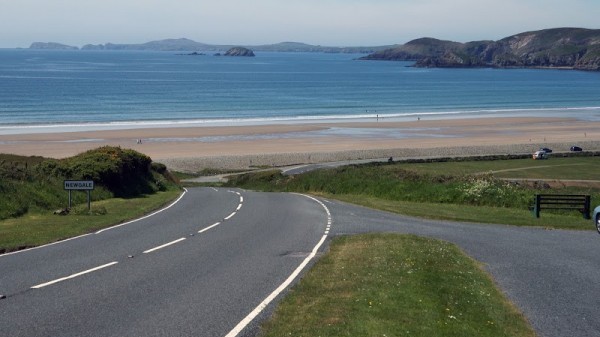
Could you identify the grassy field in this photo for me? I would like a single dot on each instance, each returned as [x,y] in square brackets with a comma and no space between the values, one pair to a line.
[34,229]
[395,285]
[580,168]
[465,190]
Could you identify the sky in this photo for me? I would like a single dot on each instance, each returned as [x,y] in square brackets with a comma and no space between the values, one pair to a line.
[254,22]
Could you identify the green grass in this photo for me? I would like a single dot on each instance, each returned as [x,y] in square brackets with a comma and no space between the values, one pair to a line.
[395,285]
[34,229]
[478,214]
[582,168]
[460,190]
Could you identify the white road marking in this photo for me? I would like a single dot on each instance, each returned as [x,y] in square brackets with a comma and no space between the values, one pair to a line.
[163,246]
[74,275]
[230,216]
[239,207]
[293,168]
[209,227]
[241,199]
[46,245]
[252,315]
[214,189]
[98,232]
[147,216]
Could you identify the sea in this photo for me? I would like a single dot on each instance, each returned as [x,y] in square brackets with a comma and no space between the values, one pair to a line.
[46,90]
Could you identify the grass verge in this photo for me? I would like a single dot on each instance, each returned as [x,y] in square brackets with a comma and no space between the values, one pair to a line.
[395,285]
[34,229]
[462,190]
[468,213]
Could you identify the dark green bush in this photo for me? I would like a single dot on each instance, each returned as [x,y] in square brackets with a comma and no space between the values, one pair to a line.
[35,183]
[124,172]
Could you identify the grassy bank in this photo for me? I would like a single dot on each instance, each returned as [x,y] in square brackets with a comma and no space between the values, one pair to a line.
[127,184]
[34,229]
[394,285]
[460,190]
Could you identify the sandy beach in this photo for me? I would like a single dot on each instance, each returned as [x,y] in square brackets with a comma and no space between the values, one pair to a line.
[243,146]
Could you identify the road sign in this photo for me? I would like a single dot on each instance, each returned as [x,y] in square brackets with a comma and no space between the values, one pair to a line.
[79,185]
[82,185]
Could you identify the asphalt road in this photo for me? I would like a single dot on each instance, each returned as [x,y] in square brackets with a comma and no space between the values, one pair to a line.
[200,267]
[553,276]
[200,285]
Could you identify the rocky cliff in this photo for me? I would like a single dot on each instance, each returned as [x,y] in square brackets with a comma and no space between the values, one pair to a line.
[572,48]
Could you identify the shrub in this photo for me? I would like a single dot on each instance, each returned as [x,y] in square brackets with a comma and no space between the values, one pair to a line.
[35,183]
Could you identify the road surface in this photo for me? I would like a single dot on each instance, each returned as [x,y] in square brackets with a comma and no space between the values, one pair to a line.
[208,265]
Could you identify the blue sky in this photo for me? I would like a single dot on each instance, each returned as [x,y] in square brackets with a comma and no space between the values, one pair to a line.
[324,22]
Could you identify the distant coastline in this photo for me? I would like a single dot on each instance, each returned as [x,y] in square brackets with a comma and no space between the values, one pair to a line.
[187,45]
[556,48]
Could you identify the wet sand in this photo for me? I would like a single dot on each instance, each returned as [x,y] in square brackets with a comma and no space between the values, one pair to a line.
[238,147]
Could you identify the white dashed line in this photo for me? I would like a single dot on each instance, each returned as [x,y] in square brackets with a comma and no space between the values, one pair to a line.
[209,227]
[239,207]
[230,216]
[74,275]
[163,246]
[98,232]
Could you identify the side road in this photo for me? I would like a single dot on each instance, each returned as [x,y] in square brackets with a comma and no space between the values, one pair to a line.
[553,276]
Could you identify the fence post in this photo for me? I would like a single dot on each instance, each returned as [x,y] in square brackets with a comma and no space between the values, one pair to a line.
[536,209]
[586,210]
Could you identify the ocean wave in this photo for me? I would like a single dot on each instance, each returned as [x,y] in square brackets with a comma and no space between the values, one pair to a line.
[572,112]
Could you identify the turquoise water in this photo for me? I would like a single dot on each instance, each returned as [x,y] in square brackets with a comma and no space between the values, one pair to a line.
[90,87]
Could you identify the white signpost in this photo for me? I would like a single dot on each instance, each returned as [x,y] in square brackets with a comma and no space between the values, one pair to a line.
[81,185]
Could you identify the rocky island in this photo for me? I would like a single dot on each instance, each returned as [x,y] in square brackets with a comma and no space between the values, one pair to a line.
[51,46]
[239,51]
[567,48]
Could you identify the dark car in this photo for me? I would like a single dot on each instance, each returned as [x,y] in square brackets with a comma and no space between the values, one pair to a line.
[576,149]
[545,149]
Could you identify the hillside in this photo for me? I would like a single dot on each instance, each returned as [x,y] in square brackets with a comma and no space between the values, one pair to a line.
[572,48]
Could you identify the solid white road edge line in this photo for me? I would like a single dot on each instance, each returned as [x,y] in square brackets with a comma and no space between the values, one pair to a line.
[252,315]
[163,246]
[74,275]
[98,232]
[146,216]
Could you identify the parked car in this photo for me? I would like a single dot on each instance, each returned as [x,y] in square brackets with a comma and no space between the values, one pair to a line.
[540,155]
[545,149]
[596,218]
[576,149]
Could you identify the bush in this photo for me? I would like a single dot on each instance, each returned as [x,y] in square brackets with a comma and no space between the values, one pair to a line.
[35,183]
[125,173]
